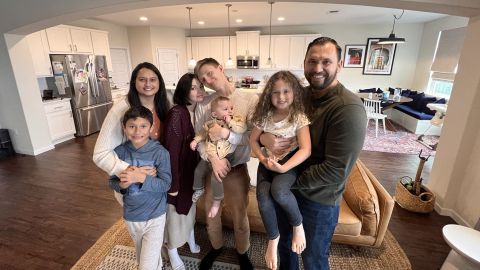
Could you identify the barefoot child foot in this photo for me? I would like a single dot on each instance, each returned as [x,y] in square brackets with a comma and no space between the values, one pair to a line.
[214,209]
[298,239]
[271,253]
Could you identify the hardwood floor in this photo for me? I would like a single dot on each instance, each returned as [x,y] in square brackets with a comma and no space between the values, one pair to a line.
[54,207]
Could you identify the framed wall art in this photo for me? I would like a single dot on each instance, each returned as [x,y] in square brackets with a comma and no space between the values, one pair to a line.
[354,56]
[379,58]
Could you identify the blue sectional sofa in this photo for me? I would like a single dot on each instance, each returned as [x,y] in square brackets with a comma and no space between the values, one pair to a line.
[415,115]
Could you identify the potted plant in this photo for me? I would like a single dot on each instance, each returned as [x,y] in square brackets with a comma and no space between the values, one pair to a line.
[412,195]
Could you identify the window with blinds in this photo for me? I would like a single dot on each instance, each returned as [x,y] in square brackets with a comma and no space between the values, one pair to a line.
[444,66]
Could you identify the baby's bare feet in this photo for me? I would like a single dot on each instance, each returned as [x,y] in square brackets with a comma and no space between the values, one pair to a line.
[214,209]
[271,253]
[298,239]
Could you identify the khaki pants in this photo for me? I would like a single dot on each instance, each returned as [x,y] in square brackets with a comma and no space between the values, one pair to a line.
[236,185]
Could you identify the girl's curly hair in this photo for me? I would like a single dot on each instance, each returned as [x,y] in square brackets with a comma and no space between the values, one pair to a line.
[265,105]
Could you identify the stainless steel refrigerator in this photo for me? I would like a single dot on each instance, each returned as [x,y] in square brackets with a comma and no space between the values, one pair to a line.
[84,79]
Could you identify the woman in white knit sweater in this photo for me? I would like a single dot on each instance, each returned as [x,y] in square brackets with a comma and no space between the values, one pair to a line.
[147,89]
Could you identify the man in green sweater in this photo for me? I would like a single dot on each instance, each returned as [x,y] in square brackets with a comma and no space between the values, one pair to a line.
[337,131]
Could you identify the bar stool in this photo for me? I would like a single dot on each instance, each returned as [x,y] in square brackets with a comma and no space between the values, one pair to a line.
[465,244]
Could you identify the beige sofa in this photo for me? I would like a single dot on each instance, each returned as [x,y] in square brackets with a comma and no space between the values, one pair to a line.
[365,210]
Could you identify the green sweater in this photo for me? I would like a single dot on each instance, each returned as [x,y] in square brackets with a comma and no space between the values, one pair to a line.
[337,132]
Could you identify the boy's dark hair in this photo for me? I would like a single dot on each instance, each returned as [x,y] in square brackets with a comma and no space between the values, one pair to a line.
[205,61]
[324,40]
[180,97]
[137,111]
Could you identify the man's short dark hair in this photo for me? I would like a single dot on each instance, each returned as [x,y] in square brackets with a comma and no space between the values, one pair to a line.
[205,61]
[322,41]
[137,111]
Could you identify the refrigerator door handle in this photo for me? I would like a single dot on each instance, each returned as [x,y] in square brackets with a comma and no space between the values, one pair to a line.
[96,106]
[94,80]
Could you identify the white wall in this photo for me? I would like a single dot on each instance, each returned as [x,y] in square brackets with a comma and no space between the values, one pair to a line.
[405,56]
[454,177]
[33,137]
[428,45]
[170,38]
[11,112]
[140,45]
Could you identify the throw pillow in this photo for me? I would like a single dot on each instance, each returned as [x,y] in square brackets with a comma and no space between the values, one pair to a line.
[406,93]
[362,198]
[441,101]
[415,100]
[438,101]
[423,105]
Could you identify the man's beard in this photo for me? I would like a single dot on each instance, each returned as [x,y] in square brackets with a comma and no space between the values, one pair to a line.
[316,85]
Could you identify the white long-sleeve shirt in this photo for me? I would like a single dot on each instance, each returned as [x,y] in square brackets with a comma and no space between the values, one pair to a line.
[111,136]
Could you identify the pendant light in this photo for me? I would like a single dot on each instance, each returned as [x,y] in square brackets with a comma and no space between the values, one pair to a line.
[192,61]
[229,62]
[269,61]
[392,39]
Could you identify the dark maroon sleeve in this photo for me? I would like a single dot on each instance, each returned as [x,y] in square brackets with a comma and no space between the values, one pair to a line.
[173,143]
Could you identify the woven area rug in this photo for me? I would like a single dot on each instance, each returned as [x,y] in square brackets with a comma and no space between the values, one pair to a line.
[400,141]
[114,250]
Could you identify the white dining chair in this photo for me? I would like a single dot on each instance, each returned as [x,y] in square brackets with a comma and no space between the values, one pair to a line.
[374,111]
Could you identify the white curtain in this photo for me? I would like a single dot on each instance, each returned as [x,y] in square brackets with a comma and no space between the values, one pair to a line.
[446,57]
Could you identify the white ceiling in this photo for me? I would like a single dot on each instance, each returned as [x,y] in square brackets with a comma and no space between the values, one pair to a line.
[255,14]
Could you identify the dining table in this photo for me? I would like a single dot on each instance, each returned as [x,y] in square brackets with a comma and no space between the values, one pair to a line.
[386,104]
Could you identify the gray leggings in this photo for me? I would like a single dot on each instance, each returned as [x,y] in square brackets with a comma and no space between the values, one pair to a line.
[201,171]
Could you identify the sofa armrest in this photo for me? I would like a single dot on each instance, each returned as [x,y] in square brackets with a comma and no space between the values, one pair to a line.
[386,204]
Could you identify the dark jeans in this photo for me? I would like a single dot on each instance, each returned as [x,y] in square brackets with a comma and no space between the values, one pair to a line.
[274,188]
[319,223]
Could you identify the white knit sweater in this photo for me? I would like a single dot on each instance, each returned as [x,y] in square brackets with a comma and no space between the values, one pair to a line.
[111,136]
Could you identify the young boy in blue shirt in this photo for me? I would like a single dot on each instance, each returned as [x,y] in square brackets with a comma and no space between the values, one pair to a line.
[144,196]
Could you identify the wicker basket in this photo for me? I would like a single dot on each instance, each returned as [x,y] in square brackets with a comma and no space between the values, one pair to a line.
[422,203]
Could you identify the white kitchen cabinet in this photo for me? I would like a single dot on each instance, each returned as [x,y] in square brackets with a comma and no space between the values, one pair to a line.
[310,38]
[193,49]
[38,44]
[233,51]
[297,52]
[248,43]
[264,51]
[203,47]
[101,46]
[66,39]
[60,120]
[281,49]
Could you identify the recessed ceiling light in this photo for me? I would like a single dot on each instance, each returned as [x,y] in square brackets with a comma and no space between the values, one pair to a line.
[281,18]
[201,22]
[143,19]
[239,20]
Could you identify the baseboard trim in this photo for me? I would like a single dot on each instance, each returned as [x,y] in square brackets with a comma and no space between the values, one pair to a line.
[451,213]
[43,149]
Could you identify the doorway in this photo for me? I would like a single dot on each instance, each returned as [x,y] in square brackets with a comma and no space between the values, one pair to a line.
[168,65]
[121,67]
